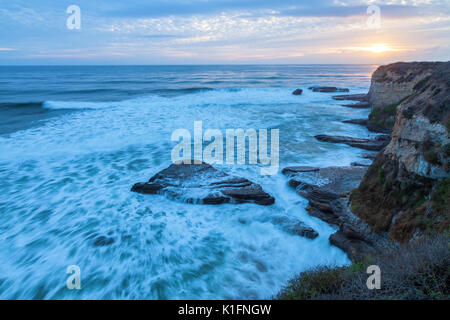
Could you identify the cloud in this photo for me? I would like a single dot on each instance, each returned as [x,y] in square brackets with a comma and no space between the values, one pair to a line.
[193,31]
[299,8]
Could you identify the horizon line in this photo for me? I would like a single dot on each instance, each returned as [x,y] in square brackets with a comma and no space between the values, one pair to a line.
[205,64]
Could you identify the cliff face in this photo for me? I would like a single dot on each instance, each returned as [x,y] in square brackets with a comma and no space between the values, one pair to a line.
[406,191]
[391,84]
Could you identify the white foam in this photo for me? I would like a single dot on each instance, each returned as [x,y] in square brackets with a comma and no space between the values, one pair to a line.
[67,181]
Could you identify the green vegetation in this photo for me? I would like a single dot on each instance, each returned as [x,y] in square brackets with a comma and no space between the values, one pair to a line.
[384,117]
[440,197]
[412,271]
[381,174]
[425,224]
[382,78]
[391,109]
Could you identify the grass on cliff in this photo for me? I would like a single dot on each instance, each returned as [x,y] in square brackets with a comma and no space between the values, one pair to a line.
[418,270]
[384,117]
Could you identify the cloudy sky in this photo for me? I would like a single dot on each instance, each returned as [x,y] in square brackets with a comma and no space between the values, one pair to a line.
[224,31]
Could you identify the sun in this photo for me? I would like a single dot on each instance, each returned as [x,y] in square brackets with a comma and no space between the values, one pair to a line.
[378,48]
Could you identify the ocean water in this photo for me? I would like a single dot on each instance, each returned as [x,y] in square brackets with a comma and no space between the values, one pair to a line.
[73,140]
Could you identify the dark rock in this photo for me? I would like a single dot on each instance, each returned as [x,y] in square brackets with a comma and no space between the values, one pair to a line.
[362,122]
[370,156]
[325,188]
[352,97]
[358,164]
[360,105]
[102,241]
[297,92]
[298,169]
[328,191]
[371,126]
[328,89]
[352,242]
[202,183]
[295,226]
[378,144]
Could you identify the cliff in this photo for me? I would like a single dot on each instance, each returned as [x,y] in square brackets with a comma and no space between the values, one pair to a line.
[406,191]
[391,85]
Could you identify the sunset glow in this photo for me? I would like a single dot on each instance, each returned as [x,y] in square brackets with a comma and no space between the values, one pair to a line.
[222,32]
[379,48]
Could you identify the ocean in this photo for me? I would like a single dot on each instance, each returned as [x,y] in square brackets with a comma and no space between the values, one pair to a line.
[74,139]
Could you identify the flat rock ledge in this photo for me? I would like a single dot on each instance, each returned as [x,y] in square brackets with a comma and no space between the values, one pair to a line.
[352,97]
[203,184]
[361,122]
[377,144]
[359,105]
[327,191]
[328,89]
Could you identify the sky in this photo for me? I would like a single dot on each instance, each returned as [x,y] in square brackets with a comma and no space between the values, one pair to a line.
[35,32]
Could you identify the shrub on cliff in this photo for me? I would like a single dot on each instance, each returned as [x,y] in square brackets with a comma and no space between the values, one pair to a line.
[418,270]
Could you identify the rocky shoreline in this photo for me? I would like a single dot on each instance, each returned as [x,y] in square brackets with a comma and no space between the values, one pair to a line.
[380,206]
[375,205]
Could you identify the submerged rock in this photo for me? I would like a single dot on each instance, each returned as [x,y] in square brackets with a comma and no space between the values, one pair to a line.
[202,183]
[297,92]
[328,89]
[294,226]
[102,241]
[378,144]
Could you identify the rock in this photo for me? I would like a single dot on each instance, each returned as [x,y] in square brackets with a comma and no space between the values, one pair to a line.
[296,169]
[352,97]
[360,105]
[412,174]
[352,242]
[370,156]
[328,191]
[328,89]
[202,183]
[378,144]
[401,82]
[325,188]
[294,226]
[358,164]
[102,241]
[362,122]
[297,92]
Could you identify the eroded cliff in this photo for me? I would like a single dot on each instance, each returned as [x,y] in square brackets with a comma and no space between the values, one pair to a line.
[406,191]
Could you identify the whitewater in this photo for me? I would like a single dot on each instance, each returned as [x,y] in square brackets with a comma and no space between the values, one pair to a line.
[68,162]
